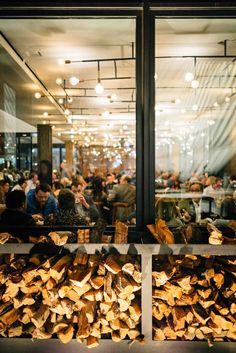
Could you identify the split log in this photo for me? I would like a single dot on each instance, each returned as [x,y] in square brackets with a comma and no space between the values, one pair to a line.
[59,269]
[92,342]
[40,317]
[80,277]
[65,335]
[59,238]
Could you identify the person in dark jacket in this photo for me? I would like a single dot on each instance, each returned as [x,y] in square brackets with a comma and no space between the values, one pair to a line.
[15,214]
[41,203]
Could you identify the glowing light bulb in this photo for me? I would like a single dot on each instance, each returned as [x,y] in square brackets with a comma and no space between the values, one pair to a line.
[45,114]
[44,122]
[37,95]
[106,114]
[194,84]
[195,107]
[74,80]
[60,100]
[61,62]
[216,104]
[59,134]
[183,111]
[69,99]
[59,81]
[227,99]
[99,88]
[177,101]
[188,76]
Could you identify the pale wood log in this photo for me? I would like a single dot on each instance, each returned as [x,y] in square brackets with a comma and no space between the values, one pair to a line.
[81,259]
[59,239]
[40,333]
[97,281]
[15,330]
[23,300]
[115,336]
[40,317]
[59,269]
[65,335]
[9,317]
[133,334]
[90,311]
[113,264]
[83,326]
[92,342]
[80,277]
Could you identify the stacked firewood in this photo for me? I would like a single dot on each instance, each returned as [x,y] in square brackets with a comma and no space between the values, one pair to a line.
[70,296]
[194,298]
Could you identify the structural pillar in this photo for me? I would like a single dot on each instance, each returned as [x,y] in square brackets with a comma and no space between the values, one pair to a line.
[45,154]
[69,157]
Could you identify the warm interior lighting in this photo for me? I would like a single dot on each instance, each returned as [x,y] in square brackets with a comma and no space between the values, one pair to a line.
[69,99]
[74,80]
[189,76]
[59,81]
[37,95]
[194,84]
[45,114]
[99,88]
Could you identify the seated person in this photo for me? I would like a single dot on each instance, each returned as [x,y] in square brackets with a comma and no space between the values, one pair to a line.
[195,209]
[4,189]
[41,203]
[228,207]
[21,185]
[123,192]
[67,214]
[167,210]
[15,214]
[84,204]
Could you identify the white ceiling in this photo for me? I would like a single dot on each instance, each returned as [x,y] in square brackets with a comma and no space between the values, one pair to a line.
[42,42]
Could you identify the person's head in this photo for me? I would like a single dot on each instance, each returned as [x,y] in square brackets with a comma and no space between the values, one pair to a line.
[65,182]
[16,199]
[42,193]
[33,176]
[4,185]
[76,187]
[110,178]
[125,179]
[66,199]
[211,180]
[57,186]
[196,189]
[22,182]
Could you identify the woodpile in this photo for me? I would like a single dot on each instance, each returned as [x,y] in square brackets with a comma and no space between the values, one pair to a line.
[194,298]
[80,296]
[121,233]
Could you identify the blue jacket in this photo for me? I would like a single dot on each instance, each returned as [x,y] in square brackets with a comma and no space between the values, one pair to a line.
[33,206]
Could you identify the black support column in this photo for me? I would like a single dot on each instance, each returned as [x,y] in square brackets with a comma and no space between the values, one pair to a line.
[45,153]
[145,71]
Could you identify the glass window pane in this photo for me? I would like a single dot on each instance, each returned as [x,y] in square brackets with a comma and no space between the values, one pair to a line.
[78,76]
[195,121]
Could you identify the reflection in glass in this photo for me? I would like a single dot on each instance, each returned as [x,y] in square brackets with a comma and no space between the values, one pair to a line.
[195,122]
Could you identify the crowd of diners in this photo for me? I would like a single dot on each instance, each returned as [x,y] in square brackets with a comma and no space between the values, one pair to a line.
[77,200]
[69,201]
